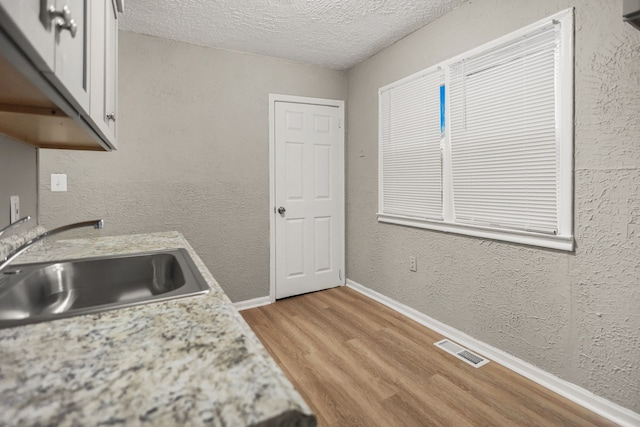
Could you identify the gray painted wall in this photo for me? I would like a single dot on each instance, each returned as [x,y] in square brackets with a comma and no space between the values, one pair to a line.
[193,155]
[18,177]
[576,315]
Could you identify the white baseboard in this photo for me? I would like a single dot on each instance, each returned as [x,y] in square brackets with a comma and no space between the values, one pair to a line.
[601,406]
[252,303]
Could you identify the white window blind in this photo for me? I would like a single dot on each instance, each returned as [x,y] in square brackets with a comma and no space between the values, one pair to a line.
[410,157]
[482,144]
[503,134]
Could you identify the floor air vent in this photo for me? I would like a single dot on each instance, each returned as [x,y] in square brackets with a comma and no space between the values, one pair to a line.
[462,353]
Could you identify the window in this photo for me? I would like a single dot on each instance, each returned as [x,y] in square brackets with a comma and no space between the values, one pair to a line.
[482,144]
[411,153]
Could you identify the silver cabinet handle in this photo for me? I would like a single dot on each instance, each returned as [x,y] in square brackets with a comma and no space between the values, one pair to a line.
[71,26]
[111,117]
[281,210]
[63,19]
[64,14]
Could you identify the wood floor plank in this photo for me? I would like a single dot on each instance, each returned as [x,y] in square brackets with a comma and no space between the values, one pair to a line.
[359,363]
[426,403]
[463,375]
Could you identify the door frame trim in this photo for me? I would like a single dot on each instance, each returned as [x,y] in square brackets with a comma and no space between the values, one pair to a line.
[273,98]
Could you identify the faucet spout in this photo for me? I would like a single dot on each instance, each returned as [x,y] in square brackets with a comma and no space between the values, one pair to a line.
[97,224]
[15,224]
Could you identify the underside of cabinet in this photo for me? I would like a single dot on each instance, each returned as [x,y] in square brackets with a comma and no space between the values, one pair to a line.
[28,115]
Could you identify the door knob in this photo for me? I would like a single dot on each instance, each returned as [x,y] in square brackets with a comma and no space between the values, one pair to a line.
[281,210]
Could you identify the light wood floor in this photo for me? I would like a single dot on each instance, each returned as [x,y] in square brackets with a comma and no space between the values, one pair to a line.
[359,363]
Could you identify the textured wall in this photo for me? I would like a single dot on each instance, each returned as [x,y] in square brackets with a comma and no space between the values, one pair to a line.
[194,127]
[18,177]
[576,315]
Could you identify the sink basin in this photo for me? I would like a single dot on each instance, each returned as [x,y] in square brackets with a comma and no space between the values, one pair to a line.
[31,293]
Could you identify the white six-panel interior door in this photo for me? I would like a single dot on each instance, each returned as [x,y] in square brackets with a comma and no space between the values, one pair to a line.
[308,213]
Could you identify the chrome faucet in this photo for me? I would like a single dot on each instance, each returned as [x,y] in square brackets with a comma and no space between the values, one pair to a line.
[15,224]
[97,224]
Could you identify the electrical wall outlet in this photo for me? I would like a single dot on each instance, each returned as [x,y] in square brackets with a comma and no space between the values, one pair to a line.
[413,264]
[58,182]
[15,209]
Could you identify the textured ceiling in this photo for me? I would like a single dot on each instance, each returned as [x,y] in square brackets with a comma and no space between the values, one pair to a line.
[331,33]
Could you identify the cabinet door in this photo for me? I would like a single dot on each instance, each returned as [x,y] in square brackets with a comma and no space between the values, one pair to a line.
[28,22]
[111,71]
[103,67]
[71,59]
[97,64]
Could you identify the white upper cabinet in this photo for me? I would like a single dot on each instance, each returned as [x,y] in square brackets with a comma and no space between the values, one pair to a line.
[104,68]
[63,56]
[70,40]
[29,24]
[111,72]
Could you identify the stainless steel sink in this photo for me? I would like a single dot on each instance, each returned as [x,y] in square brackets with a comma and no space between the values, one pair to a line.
[31,293]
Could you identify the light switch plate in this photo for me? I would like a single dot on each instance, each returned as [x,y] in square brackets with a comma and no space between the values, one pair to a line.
[58,182]
[15,209]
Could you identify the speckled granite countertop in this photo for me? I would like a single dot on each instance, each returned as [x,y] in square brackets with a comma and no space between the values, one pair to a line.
[191,361]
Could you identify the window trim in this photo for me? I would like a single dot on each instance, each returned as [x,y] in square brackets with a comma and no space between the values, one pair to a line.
[562,243]
[564,240]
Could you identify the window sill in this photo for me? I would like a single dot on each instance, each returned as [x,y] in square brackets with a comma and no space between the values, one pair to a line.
[562,243]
